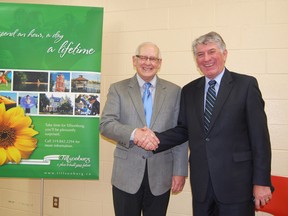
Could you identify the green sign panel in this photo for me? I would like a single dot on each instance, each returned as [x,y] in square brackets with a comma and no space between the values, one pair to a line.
[50,73]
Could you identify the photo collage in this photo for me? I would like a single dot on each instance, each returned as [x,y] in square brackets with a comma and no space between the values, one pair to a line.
[53,93]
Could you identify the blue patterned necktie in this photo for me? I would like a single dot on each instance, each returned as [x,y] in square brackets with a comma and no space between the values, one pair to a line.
[147,102]
[210,101]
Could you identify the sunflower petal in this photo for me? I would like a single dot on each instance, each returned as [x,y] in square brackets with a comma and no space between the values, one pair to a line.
[26,141]
[2,112]
[14,154]
[15,116]
[15,111]
[26,145]
[23,121]
[25,155]
[3,155]
[26,132]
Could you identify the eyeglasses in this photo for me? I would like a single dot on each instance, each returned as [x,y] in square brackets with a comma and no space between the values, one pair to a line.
[151,59]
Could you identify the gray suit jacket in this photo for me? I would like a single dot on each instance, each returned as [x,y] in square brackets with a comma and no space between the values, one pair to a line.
[123,112]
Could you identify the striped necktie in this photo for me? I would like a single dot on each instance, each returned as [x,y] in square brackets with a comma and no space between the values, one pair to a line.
[147,102]
[210,101]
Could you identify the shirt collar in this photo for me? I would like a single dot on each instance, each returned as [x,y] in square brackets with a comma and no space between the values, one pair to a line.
[217,78]
[142,82]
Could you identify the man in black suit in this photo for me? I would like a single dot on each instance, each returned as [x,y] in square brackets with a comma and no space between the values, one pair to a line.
[230,162]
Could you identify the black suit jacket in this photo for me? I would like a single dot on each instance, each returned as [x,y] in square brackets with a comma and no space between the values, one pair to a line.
[236,151]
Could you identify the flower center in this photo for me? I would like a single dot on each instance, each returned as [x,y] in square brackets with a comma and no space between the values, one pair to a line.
[7,136]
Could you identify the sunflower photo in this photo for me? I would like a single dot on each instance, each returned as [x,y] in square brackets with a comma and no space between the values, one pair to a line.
[16,135]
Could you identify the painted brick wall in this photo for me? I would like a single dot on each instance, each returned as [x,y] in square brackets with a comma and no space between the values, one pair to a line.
[255,32]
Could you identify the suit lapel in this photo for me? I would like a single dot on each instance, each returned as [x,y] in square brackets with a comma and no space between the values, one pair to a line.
[200,100]
[159,99]
[135,96]
[223,93]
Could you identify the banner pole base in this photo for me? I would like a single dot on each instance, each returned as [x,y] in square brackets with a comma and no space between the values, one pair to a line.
[42,197]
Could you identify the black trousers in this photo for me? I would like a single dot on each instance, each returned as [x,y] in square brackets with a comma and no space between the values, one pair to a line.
[144,201]
[212,207]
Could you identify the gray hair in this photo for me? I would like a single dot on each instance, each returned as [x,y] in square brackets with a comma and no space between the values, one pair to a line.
[149,44]
[211,37]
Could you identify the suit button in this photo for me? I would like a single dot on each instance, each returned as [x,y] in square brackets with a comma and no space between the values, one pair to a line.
[207,139]
[143,157]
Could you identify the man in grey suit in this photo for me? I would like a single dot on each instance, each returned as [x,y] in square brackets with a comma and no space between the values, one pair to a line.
[142,181]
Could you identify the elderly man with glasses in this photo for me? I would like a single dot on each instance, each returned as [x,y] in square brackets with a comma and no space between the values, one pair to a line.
[142,181]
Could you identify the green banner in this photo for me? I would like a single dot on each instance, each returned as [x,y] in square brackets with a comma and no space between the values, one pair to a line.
[50,73]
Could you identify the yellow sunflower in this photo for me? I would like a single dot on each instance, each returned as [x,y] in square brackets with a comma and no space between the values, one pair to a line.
[16,135]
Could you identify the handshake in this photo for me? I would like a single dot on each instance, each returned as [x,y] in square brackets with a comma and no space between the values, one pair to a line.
[146,139]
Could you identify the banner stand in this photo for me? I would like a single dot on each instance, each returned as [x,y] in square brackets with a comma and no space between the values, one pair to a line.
[41,196]
[55,88]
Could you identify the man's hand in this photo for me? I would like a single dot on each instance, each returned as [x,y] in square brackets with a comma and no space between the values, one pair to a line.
[262,195]
[178,183]
[146,139]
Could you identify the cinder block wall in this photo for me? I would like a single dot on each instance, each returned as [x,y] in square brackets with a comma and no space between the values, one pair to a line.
[255,32]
